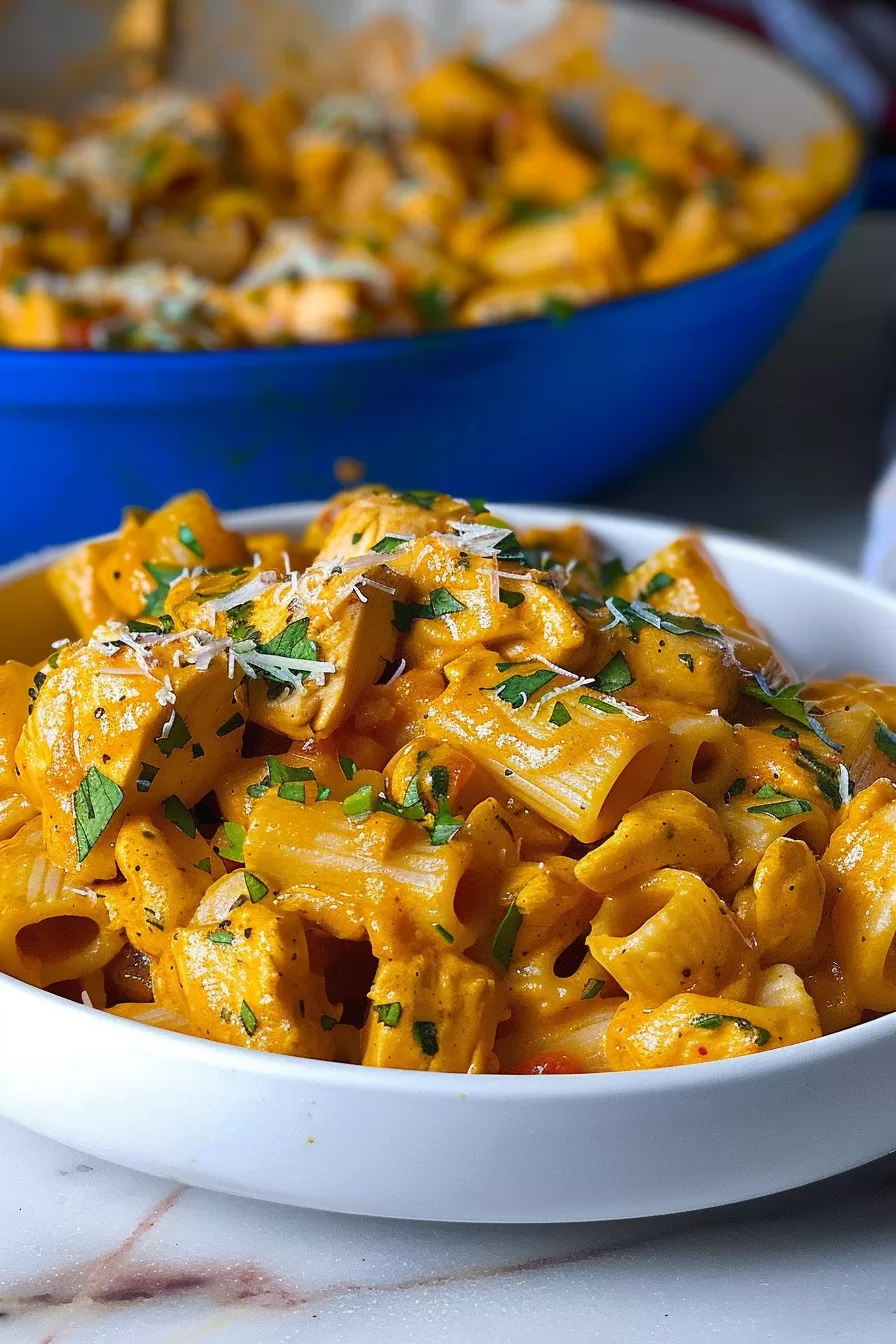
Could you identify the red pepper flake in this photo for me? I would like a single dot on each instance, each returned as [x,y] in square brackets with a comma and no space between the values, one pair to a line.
[702,1050]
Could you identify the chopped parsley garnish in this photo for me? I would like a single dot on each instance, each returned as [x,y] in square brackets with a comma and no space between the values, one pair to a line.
[179,815]
[516,690]
[524,211]
[235,835]
[886,741]
[146,776]
[712,1022]
[327,1022]
[785,806]
[445,826]
[389,545]
[53,660]
[636,615]
[359,804]
[280,773]
[737,787]
[248,1018]
[477,506]
[94,801]
[443,933]
[293,791]
[788,703]
[505,935]
[603,705]
[356,537]
[790,734]
[615,676]
[656,585]
[223,936]
[234,722]
[293,642]
[144,627]
[424,498]
[164,575]
[827,779]
[560,715]
[178,736]
[427,1037]
[611,573]
[592,988]
[510,598]
[558,310]
[688,660]
[188,538]
[239,623]
[204,865]
[348,767]
[388,1013]
[433,307]
[256,888]
[441,603]
[152,919]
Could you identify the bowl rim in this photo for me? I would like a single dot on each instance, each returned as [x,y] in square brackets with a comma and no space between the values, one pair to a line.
[846,203]
[491,1087]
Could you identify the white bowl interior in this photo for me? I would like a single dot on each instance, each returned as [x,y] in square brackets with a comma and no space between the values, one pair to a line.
[484,1149]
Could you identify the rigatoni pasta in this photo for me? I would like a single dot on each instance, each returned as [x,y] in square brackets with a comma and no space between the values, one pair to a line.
[420,791]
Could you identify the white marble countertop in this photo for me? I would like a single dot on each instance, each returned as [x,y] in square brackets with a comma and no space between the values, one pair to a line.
[93,1254]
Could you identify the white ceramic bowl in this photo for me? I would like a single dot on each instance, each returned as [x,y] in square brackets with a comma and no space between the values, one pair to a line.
[483,1149]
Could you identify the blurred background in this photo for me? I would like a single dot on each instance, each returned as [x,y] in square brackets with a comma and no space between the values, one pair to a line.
[709,401]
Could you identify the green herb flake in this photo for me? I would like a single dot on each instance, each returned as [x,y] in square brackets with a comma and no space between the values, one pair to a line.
[443,933]
[445,826]
[234,722]
[53,660]
[152,919]
[737,787]
[94,802]
[223,936]
[188,538]
[785,732]
[443,603]
[388,1013]
[322,795]
[433,307]
[347,766]
[516,690]
[178,736]
[427,1037]
[164,575]
[179,815]
[787,807]
[789,704]
[560,715]
[656,585]
[356,537]
[615,676]
[603,705]
[327,1022]
[146,776]
[389,545]
[505,935]
[248,1018]
[198,751]
[204,865]
[292,790]
[292,642]
[424,499]
[886,741]
[359,804]
[827,779]
[477,506]
[558,310]
[612,572]
[256,888]
[592,988]
[510,598]
[688,660]
[235,835]
[712,1022]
